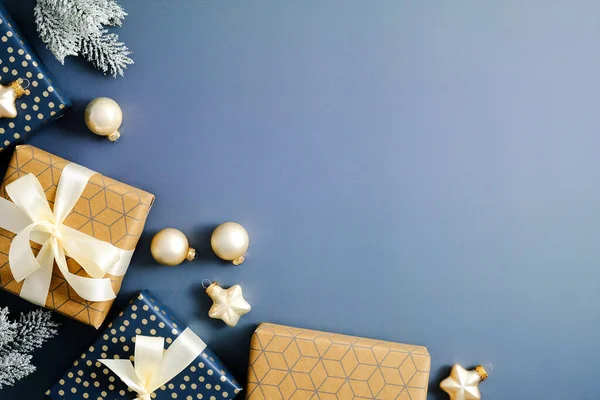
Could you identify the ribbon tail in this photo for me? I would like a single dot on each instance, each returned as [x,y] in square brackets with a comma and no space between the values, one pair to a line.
[185,349]
[36,286]
[20,256]
[73,180]
[90,289]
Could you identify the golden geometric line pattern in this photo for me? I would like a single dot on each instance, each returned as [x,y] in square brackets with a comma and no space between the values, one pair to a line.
[291,363]
[107,210]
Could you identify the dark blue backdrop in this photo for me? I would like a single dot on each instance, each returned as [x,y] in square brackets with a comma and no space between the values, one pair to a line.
[424,172]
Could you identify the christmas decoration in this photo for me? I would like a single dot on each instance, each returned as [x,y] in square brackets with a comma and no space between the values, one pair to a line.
[19,339]
[77,27]
[463,384]
[155,367]
[310,364]
[191,369]
[230,242]
[228,304]
[103,116]
[98,257]
[38,101]
[171,247]
[8,95]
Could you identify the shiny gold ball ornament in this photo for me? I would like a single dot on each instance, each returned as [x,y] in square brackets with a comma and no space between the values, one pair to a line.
[171,247]
[463,384]
[103,116]
[8,96]
[228,304]
[230,242]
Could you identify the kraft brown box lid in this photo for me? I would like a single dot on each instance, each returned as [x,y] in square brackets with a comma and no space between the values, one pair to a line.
[293,363]
[107,210]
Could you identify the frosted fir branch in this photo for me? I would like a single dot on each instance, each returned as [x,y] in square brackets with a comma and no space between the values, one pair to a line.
[14,367]
[57,29]
[17,339]
[104,12]
[107,53]
[8,330]
[34,329]
[77,27]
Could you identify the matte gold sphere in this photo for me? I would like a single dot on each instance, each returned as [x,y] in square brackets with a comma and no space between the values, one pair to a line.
[230,242]
[103,116]
[171,247]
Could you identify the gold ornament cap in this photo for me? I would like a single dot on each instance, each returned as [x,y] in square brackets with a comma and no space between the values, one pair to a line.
[211,288]
[192,255]
[113,137]
[18,88]
[483,375]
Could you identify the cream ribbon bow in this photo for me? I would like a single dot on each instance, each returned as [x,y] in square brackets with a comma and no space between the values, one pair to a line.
[154,366]
[30,217]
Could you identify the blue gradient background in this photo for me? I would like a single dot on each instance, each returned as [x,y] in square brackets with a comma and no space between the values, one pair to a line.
[424,172]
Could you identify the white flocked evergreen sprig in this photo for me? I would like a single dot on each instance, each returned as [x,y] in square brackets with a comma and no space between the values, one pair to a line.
[19,339]
[78,27]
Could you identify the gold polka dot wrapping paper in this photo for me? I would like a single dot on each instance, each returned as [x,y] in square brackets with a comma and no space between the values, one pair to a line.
[43,102]
[293,363]
[206,378]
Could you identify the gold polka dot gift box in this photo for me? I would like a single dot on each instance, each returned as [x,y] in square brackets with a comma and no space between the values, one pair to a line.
[292,363]
[67,234]
[128,362]
[39,100]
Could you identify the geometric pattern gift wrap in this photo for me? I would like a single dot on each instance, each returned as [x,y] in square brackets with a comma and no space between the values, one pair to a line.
[108,210]
[43,102]
[291,363]
[206,378]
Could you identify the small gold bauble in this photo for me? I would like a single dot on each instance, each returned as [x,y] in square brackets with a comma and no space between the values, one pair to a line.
[230,242]
[103,116]
[171,247]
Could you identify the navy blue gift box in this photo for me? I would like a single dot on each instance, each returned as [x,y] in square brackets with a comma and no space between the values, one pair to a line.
[43,103]
[205,378]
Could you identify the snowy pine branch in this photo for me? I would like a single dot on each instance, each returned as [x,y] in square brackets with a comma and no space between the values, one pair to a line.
[106,53]
[77,27]
[34,329]
[18,339]
[14,367]
[8,330]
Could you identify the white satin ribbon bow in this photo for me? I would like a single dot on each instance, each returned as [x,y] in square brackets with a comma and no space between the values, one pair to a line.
[154,366]
[29,216]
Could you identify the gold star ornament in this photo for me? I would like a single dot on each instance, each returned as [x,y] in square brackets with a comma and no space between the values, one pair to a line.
[228,304]
[463,384]
[8,95]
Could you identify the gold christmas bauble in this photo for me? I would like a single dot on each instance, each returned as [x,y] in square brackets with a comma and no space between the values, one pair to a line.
[230,242]
[171,247]
[103,116]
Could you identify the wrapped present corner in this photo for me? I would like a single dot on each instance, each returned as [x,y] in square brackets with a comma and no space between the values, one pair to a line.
[67,234]
[293,363]
[42,101]
[127,361]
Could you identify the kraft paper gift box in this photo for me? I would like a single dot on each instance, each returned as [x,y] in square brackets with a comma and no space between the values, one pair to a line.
[205,377]
[107,218]
[293,363]
[43,101]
